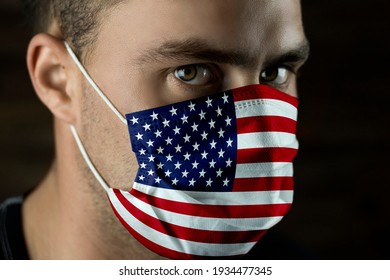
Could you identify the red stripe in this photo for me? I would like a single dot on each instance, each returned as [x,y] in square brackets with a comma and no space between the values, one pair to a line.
[214,211]
[266,124]
[266,155]
[191,234]
[262,92]
[263,184]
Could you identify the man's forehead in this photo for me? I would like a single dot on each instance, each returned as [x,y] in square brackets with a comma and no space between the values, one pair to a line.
[251,26]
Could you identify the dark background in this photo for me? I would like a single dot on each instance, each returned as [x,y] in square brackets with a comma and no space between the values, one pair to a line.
[341,208]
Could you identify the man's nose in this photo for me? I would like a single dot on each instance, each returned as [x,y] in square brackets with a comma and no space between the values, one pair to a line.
[241,77]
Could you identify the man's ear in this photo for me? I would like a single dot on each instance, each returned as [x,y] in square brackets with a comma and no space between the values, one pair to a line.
[51,74]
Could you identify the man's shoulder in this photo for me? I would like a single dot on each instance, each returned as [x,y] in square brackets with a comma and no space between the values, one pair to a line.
[12,243]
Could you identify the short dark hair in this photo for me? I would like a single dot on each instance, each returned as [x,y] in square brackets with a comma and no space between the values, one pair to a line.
[78,20]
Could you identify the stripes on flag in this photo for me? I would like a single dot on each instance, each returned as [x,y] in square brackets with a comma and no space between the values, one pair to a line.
[172,246]
[215,173]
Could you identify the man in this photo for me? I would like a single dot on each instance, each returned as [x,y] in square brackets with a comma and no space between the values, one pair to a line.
[122,57]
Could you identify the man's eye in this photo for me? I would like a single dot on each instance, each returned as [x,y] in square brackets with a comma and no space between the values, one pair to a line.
[195,74]
[275,75]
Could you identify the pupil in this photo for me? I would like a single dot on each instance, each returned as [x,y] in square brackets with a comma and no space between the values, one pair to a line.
[188,73]
[271,74]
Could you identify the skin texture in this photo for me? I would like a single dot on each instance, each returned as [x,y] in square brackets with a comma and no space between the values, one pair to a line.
[138,48]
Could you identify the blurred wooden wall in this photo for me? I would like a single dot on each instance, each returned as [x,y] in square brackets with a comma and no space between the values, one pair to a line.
[341,205]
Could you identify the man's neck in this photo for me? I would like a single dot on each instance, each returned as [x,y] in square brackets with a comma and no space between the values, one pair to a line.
[66,218]
[55,229]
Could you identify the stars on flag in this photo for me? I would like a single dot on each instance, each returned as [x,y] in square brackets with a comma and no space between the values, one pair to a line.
[219,111]
[228,121]
[177,130]
[212,123]
[225,98]
[196,146]
[194,127]
[173,111]
[166,123]
[213,144]
[134,120]
[221,153]
[146,126]
[191,106]
[186,138]
[192,182]
[158,133]
[139,136]
[229,142]
[185,173]
[209,102]
[168,140]
[175,181]
[160,150]
[202,115]
[154,116]
[177,165]
[187,156]
[184,119]
[178,148]
[195,165]
[150,143]
[189,145]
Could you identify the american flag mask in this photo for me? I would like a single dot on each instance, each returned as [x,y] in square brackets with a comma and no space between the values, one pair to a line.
[215,173]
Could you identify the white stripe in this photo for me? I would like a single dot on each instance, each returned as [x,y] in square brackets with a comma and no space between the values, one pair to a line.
[264,169]
[176,244]
[218,198]
[265,107]
[93,84]
[203,223]
[267,140]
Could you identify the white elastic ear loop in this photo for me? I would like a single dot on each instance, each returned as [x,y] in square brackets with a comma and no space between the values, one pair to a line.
[94,171]
[93,84]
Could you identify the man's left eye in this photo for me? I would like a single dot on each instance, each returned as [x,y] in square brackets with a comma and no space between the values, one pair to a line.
[195,74]
[277,76]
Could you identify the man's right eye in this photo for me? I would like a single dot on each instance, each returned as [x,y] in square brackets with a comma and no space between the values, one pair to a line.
[195,74]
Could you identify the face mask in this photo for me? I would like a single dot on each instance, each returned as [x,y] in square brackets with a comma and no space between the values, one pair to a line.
[215,173]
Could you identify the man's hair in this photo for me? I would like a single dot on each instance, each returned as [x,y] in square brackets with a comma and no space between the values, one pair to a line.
[78,20]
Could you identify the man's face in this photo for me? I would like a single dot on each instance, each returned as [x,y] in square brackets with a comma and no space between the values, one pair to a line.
[152,53]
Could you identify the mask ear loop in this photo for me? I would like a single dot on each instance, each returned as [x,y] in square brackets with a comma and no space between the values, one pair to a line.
[93,84]
[80,145]
[84,153]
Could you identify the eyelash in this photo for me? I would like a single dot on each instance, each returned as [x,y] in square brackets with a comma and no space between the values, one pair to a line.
[290,70]
[212,75]
[217,75]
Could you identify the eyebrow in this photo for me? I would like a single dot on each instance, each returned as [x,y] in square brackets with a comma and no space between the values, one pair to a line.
[199,49]
[298,54]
